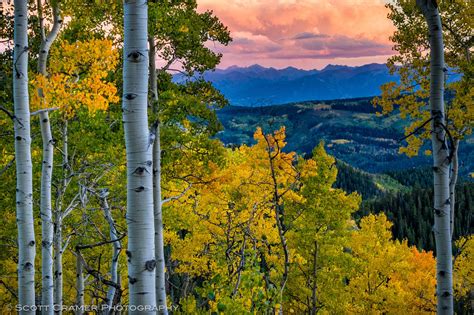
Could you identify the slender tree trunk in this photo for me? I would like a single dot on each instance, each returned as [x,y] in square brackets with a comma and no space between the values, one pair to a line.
[115,250]
[58,263]
[58,228]
[46,216]
[24,170]
[441,160]
[79,285]
[47,294]
[47,41]
[118,296]
[65,156]
[141,230]
[278,207]
[314,288]
[453,182]
[160,283]
[241,266]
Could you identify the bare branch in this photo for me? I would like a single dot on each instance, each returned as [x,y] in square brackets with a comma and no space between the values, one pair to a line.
[96,274]
[9,164]
[72,205]
[416,130]
[6,111]
[177,70]
[44,110]
[66,243]
[168,64]
[9,289]
[79,247]
[177,196]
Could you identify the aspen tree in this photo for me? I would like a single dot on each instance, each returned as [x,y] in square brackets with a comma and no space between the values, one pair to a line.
[47,286]
[441,160]
[24,185]
[139,144]
[158,214]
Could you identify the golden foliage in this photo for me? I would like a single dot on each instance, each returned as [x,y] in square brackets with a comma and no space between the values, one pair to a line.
[77,78]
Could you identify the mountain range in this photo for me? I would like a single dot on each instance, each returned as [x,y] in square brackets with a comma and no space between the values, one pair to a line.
[259,86]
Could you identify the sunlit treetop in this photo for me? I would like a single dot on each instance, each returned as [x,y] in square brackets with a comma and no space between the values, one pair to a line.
[77,78]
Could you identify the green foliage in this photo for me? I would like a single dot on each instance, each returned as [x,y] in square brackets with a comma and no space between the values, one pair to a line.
[412,64]
[180,33]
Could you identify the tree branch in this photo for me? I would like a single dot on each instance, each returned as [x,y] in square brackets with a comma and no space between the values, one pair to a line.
[416,130]
[67,242]
[177,196]
[6,111]
[43,110]
[79,247]
[9,164]
[96,274]
[9,289]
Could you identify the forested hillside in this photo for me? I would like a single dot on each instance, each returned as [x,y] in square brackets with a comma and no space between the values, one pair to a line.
[404,197]
[351,129]
[412,215]
[124,191]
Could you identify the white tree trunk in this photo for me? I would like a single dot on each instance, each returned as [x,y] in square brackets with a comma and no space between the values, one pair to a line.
[441,161]
[141,230]
[115,250]
[46,216]
[160,283]
[47,41]
[47,287]
[79,285]
[58,263]
[58,228]
[24,185]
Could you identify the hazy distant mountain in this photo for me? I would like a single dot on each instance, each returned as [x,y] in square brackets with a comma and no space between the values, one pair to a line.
[258,86]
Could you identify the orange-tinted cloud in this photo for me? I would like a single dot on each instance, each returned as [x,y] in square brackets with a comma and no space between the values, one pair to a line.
[303,33]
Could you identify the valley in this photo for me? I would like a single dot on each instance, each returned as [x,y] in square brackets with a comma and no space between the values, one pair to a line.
[350,129]
[366,148]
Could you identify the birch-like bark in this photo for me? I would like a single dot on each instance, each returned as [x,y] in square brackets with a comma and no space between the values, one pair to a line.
[24,171]
[160,282]
[47,287]
[115,249]
[441,160]
[47,41]
[79,285]
[59,215]
[141,230]
[46,216]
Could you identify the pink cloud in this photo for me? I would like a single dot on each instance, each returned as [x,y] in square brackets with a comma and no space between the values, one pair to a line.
[303,31]
[248,43]
[340,46]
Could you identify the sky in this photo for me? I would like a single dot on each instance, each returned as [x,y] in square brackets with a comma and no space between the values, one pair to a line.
[306,34]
